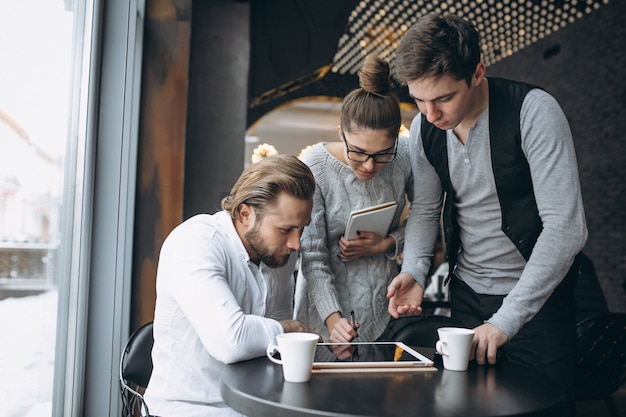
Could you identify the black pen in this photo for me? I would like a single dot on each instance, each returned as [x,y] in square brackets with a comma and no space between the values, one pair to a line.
[353,320]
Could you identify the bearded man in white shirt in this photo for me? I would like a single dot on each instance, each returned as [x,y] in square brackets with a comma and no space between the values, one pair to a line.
[225,286]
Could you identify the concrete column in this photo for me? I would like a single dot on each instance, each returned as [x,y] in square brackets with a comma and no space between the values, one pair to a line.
[217,103]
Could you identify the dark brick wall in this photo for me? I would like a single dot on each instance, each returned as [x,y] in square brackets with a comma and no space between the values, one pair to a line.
[588,77]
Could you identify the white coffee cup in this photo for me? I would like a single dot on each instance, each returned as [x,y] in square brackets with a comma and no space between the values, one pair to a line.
[297,351]
[454,345]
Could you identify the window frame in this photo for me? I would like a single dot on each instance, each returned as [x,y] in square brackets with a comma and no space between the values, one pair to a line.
[99,207]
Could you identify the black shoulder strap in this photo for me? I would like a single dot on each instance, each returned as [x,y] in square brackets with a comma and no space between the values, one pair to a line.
[434,141]
[505,103]
[520,216]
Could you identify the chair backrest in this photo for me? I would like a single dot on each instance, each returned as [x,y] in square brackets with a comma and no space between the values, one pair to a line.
[136,369]
[590,299]
[601,348]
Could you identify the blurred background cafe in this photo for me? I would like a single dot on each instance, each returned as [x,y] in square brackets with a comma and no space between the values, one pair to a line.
[121,119]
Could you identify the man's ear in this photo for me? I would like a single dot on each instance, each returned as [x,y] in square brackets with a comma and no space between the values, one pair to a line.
[246,214]
[479,73]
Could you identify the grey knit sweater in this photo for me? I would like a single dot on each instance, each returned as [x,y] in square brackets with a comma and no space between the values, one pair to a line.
[327,284]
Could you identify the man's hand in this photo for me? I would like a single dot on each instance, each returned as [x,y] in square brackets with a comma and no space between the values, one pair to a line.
[487,339]
[290,326]
[405,296]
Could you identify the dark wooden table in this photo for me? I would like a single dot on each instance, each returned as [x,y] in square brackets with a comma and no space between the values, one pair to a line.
[256,388]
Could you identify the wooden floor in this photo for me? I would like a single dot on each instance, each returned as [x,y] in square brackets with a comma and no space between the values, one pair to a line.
[598,408]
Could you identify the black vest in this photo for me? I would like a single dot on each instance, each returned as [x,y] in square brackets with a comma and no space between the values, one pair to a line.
[520,218]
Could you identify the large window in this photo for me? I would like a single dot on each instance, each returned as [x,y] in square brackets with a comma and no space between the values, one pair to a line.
[69,87]
[37,46]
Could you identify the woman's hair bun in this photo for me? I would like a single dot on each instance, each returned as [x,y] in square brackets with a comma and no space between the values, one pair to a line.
[375,76]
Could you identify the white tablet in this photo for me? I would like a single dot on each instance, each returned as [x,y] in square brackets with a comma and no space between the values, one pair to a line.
[368,355]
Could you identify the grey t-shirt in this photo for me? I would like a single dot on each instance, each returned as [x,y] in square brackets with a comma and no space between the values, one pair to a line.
[489,262]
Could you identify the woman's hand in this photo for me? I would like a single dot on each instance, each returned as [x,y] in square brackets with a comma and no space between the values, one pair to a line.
[340,329]
[345,351]
[366,244]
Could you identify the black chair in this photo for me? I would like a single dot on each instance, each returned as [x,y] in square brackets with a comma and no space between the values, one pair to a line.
[601,358]
[135,371]
[590,299]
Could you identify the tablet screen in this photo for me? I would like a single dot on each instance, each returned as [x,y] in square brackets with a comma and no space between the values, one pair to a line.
[374,354]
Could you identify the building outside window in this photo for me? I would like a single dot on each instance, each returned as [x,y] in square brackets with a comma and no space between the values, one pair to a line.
[36,49]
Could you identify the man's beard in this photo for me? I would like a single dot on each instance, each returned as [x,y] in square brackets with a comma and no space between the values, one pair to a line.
[267,256]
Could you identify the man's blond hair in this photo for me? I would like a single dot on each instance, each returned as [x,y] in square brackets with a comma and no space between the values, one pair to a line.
[261,183]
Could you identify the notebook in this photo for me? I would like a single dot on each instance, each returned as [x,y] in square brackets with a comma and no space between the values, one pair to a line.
[376,219]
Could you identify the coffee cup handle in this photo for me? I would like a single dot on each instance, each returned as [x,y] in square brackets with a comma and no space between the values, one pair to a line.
[271,349]
[441,348]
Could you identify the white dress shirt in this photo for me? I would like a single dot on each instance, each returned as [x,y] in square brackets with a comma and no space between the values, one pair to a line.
[213,307]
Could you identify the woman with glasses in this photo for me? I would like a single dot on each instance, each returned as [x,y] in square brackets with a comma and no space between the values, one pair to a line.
[369,165]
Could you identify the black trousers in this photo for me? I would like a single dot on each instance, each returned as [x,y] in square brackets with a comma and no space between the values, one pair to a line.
[546,344]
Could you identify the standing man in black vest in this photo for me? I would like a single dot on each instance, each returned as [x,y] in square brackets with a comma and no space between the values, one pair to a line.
[498,156]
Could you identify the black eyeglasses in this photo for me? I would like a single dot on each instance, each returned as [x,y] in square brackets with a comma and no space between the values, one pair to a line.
[379,157]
